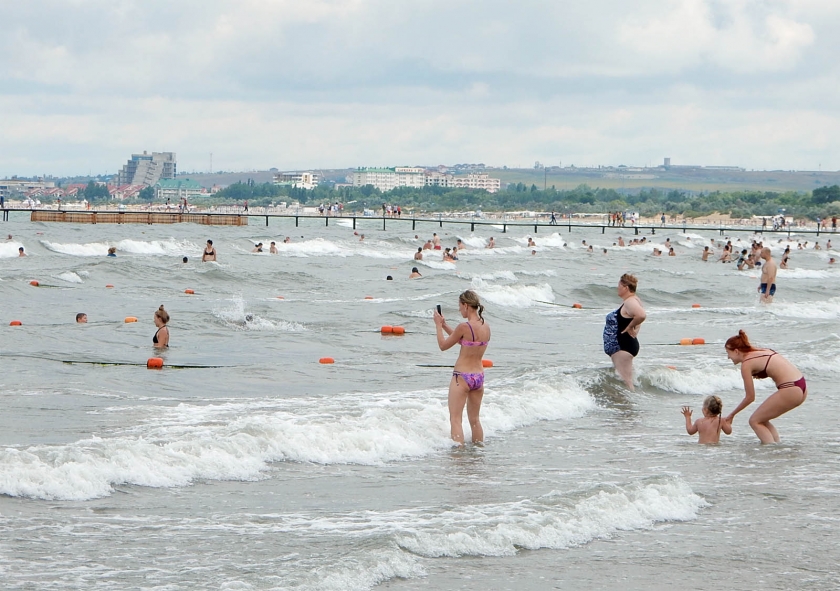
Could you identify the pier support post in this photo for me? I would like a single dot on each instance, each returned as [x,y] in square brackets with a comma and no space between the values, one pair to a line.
[354,222]
[296,221]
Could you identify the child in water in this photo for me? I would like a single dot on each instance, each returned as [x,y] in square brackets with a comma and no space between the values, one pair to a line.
[711,424]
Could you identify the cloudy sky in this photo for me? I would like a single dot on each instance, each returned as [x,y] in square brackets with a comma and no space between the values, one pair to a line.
[299,84]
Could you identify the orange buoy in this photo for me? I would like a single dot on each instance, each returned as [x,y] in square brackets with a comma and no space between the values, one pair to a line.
[109,286]
[685,341]
[154,363]
[368,297]
[280,298]
[577,306]
[386,329]
[129,319]
[698,341]
[189,291]
[486,363]
[34,283]
[670,367]
[695,305]
[326,360]
[399,330]
[15,323]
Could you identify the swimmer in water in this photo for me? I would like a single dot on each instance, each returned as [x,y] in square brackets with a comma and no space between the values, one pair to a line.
[161,338]
[112,251]
[185,260]
[20,252]
[531,242]
[705,256]
[273,248]
[427,245]
[257,247]
[209,253]
[711,424]
[767,287]
[81,318]
[466,388]
[622,328]
[418,256]
[491,243]
[415,274]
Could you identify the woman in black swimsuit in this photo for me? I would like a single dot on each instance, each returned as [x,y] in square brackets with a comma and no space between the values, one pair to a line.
[161,338]
[209,252]
[622,328]
[758,364]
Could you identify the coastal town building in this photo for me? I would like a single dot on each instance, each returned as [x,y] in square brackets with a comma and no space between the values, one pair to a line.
[176,189]
[386,179]
[13,186]
[298,180]
[147,169]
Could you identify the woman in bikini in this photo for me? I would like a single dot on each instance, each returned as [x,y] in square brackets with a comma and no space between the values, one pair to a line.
[161,338]
[209,253]
[467,384]
[791,389]
[622,328]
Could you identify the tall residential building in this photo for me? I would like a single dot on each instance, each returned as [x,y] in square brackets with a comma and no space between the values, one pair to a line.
[470,181]
[298,180]
[148,169]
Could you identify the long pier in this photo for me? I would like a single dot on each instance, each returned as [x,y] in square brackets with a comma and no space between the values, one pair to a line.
[242,219]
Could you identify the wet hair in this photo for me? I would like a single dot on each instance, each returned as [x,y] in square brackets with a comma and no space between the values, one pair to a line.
[471,299]
[186,260]
[714,404]
[112,249]
[414,270]
[210,242]
[162,314]
[80,315]
[740,342]
[419,249]
[389,278]
[629,281]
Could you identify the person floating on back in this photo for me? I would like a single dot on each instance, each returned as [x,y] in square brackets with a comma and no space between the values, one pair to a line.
[711,424]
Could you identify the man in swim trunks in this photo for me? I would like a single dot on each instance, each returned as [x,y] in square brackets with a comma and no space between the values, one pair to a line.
[767,288]
[436,241]
[428,245]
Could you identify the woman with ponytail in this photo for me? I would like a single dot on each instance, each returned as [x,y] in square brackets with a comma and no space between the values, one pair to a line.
[758,364]
[467,384]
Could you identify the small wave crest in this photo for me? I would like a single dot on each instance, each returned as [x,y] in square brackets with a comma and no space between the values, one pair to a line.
[513,296]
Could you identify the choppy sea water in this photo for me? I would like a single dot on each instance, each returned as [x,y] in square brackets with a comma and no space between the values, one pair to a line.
[267,470]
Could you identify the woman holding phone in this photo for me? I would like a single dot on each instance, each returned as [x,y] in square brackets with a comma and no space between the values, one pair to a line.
[466,388]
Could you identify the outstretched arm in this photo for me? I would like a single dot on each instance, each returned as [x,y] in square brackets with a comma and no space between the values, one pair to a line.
[749,393]
[726,426]
[690,428]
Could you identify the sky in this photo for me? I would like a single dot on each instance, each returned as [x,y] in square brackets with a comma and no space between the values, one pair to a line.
[312,84]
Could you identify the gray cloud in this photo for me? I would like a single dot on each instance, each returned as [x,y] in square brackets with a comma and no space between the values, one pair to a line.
[352,82]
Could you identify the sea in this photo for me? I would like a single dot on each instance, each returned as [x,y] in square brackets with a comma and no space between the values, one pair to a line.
[246,464]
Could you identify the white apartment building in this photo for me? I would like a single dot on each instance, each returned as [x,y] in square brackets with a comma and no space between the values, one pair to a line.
[148,169]
[470,181]
[386,179]
[299,180]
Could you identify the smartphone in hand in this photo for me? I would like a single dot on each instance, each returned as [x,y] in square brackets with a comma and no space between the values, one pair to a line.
[438,310]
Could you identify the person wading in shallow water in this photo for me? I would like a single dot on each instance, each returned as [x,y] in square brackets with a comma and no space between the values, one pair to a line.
[467,384]
[622,328]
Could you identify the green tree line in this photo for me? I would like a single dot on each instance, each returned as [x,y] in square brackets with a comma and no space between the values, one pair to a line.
[822,202]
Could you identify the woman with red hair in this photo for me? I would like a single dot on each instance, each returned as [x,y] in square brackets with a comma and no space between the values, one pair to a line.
[791,389]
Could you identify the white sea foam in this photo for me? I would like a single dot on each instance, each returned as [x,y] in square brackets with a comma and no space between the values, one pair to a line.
[547,522]
[235,316]
[155,247]
[513,296]
[237,440]
[826,309]
[697,380]
[9,250]
[69,277]
[474,241]
[807,274]
[494,276]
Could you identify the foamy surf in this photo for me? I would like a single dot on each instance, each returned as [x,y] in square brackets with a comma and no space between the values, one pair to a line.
[697,380]
[513,296]
[176,446]
[548,522]
[170,247]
